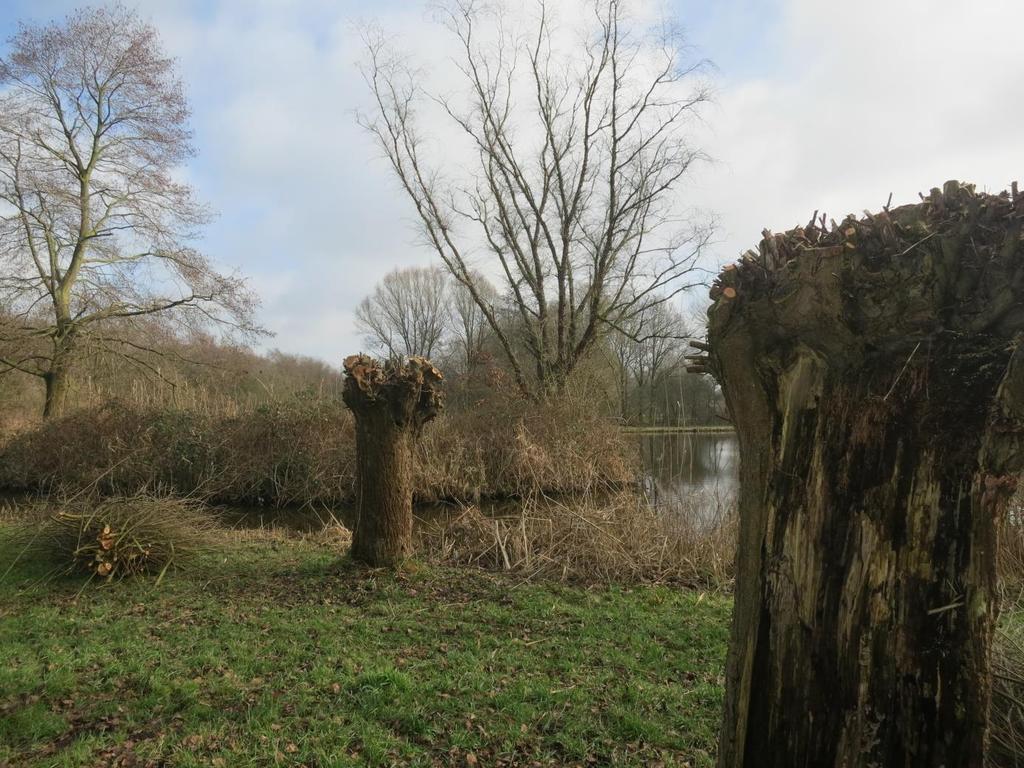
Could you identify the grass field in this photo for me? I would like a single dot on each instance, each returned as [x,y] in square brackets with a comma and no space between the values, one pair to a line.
[277,652]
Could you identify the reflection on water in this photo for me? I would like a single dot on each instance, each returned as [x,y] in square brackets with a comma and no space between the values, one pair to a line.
[693,472]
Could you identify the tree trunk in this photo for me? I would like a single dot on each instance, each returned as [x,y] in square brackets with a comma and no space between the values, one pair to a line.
[57,380]
[391,404]
[875,380]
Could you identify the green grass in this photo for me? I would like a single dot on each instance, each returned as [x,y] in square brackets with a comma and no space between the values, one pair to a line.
[281,653]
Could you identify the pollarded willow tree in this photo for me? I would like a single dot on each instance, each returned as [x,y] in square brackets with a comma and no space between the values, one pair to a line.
[391,403]
[875,375]
[581,144]
[95,231]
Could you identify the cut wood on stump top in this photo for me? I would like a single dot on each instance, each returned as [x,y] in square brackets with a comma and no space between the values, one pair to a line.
[411,388]
[879,275]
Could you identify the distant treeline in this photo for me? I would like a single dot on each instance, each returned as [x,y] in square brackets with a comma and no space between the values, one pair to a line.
[636,383]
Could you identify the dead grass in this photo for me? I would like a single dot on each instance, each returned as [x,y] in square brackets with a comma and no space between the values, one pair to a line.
[619,539]
[1006,747]
[1011,553]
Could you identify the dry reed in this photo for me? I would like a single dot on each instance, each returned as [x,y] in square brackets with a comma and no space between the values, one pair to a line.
[301,452]
[618,539]
[1006,721]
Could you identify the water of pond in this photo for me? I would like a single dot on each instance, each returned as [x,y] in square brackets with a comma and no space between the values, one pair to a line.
[690,473]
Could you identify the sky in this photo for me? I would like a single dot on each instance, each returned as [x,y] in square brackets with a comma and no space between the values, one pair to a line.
[828,105]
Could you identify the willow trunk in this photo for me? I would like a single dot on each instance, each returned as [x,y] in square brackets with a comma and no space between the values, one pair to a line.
[382,533]
[873,374]
[391,404]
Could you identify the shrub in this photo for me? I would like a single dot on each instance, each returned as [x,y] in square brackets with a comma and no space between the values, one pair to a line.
[120,537]
[302,452]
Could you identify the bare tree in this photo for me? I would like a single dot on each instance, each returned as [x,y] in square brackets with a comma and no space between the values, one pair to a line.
[470,330]
[579,155]
[407,313]
[94,229]
[648,348]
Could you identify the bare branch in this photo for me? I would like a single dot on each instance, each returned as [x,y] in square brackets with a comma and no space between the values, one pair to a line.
[580,155]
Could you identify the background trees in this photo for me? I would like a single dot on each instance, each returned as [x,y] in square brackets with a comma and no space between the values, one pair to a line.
[470,330]
[578,157]
[420,311]
[407,313]
[647,348]
[94,229]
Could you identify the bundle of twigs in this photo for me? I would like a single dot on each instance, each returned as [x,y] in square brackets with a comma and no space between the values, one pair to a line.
[121,537]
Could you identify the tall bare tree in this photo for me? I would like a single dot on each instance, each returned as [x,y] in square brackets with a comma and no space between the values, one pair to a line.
[407,313]
[580,154]
[95,231]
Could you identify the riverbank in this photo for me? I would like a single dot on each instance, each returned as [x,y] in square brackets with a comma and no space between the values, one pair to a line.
[301,452]
[706,429]
[276,651]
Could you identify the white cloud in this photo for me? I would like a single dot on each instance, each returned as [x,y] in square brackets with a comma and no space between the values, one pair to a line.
[863,99]
[845,103]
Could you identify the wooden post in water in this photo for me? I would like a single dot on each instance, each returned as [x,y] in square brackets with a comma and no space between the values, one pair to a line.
[874,373]
[391,404]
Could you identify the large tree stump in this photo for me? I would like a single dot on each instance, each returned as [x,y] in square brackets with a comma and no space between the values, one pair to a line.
[391,403]
[873,371]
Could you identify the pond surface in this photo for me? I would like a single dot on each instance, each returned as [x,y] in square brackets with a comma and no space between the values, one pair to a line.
[690,473]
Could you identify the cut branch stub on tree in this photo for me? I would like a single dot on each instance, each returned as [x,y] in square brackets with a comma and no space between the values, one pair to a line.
[875,376]
[391,404]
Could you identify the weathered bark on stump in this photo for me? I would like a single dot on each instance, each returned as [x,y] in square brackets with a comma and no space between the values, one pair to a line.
[874,373]
[391,403]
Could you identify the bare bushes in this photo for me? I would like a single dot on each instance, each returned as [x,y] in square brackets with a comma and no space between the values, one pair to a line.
[301,452]
[119,537]
[278,455]
[507,447]
[620,539]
